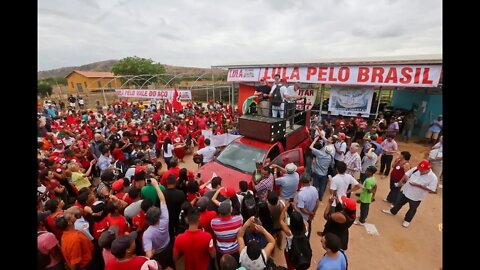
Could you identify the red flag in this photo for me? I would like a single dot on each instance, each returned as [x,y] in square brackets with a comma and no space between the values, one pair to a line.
[176,101]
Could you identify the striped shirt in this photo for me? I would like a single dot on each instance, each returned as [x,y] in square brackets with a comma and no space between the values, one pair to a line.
[353,161]
[225,230]
[263,186]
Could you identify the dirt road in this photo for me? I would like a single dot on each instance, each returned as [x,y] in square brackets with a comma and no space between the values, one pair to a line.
[416,247]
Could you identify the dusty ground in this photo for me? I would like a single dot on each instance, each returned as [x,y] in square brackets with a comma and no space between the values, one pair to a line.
[396,247]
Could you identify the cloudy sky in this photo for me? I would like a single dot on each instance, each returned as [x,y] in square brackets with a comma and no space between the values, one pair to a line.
[201,33]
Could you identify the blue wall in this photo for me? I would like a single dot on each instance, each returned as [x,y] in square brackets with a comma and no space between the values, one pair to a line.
[412,99]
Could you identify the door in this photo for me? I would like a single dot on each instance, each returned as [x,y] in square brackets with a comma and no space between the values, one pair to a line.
[294,155]
[79,87]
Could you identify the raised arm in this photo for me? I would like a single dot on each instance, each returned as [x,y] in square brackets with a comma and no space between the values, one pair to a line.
[241,233]
[214,198]
[161,197]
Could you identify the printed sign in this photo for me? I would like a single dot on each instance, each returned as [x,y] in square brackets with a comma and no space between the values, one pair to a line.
[392,75]
[350,101]
[184,95]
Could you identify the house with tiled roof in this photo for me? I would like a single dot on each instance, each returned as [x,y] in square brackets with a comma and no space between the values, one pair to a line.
[91,81]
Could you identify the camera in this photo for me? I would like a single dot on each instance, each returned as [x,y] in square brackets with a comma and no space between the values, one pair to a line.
[149,181]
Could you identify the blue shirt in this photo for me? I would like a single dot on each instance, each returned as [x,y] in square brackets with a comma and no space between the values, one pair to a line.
[307,198]
[52,112]
[436,126]
[289,184]
[377,151]
[327,263]
[322,162]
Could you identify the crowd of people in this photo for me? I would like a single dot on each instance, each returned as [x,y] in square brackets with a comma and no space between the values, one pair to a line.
[113,194]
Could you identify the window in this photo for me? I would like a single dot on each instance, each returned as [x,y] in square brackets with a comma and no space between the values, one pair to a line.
[273,153]
[73,86]
[99,84]
[109,85]
[286,157]
[241,157]
[85,84]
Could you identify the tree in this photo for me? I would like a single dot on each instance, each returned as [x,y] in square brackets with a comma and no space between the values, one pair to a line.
[138,66]
[44,89]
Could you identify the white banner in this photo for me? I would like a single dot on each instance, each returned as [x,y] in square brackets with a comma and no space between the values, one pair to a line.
[222,139]
[392,75]
[350,101]
[310,94]
[184,95]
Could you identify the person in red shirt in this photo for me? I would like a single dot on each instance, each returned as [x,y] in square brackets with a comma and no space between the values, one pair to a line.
[123,248]
[201,141]
[201,121]
[114,217]
[99,219]
[195,244]
[206,215]
[120,189]
[179,144]
[55,206]
[174,169]
[182,129]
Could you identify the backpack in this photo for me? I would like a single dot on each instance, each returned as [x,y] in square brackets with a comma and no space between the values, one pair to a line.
[276,96]
[42,259]
[300,252]
[249,206]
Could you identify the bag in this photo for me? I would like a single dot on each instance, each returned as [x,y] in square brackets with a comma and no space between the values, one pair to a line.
[198,159]
[276,97]
[249,206]
[42,259]
[269,263]
[300,252]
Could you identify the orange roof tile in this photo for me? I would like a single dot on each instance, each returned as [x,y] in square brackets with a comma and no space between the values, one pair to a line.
[93,74]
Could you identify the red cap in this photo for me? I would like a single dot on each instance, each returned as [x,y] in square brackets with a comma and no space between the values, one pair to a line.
[117,185]
[350,204]
[58,141]
[113,128]
[342,135]
[424,165]
[139,169]
[228,192]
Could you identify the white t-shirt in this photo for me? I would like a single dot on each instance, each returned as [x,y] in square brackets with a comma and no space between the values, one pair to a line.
[342,146]
[208,153]
[340,183]
[290,91]
[68,141]
[130,173]
[429,180]
[168,153]
[80,101]
[436,152]
[258,264]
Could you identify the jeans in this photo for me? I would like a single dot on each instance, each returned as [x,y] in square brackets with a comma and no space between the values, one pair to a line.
[364,207]
[320,183]
[167,161]
[402,200]
[394,192]
[385,163]
[407,133]
[278,111]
